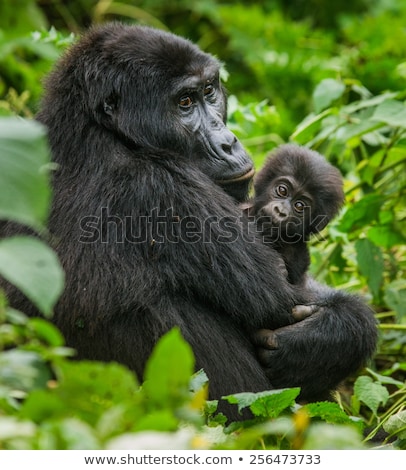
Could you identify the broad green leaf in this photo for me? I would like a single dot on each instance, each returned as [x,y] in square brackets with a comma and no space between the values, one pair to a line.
[23,370]
[361,213]
[309,127]
[326,92]
[358,126]
[385,236]
[385,380]
[396,424]
[371,393]
[42,405]
[391,112]
[370,263]
[25,193]
[327,411]
[268,404]
[89,388]
[368,103]
[168,371]
[158,420]
[46,331]
[34,268]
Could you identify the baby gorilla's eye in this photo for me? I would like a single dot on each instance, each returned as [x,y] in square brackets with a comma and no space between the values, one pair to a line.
[282,190]
[185,102]
[299,206]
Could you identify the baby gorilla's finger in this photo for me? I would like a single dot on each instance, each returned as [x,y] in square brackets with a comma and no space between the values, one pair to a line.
[300,312]
[265,339]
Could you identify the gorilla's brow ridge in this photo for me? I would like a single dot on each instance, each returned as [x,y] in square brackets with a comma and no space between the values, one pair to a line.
[197,79]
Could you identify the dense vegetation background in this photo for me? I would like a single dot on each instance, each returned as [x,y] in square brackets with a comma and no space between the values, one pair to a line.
[323,73]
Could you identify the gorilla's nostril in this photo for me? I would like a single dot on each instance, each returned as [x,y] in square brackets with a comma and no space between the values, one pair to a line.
[279,210]
[226,148]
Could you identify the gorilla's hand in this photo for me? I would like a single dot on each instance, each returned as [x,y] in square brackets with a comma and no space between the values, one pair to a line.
[292,356]
[268,339]
[300,312]
[329,341]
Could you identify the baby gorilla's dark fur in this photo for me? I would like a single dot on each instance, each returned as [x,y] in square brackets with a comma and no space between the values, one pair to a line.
[297,193]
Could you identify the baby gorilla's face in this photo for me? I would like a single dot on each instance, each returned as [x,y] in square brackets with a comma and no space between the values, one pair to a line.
[286,210]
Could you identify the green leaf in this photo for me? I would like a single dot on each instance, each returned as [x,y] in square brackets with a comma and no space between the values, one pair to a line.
[46,331]
[309,127]
[158,420]
[361,213]
[89,388]
[327,411]
[385,236]
[25,192]
[370,263]
[396,425]
[198,380]
[34,268]
[395,297]
[269,403]
[23,370]
[43,405]
[371,393]
[168,371]
[326,92]
[357,127]
[391,112]
[383,379]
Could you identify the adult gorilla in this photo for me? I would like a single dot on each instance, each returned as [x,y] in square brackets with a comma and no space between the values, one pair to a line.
[145,222]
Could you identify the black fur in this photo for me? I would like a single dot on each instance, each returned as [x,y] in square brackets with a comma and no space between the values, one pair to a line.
[135,187]
[313,195]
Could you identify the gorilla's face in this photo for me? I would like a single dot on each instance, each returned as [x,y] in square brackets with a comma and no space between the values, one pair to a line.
[157,90]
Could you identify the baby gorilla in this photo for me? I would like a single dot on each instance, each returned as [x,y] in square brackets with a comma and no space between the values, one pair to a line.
[297,193]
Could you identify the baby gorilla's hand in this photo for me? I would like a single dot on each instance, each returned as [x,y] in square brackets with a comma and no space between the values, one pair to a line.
[300,312]
[268,339]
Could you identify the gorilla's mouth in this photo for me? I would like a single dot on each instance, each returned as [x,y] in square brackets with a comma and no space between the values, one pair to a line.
[245,176]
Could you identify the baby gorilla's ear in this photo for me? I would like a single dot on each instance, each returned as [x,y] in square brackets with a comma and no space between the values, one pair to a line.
[247,208]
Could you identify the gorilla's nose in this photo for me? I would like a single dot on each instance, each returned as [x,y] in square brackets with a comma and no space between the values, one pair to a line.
[280,210]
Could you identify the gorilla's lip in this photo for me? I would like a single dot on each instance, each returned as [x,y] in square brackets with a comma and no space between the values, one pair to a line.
[247,175]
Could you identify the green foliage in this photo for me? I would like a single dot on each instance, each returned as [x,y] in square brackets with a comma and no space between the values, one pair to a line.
[268,404]
[27,262]
[371,393]
[24,158]
[34,269]
[168,372]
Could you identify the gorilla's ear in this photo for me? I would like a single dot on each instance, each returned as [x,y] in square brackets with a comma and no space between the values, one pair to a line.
[108,108]
[110,105]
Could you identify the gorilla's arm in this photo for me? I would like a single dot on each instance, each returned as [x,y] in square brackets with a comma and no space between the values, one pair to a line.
[318,352]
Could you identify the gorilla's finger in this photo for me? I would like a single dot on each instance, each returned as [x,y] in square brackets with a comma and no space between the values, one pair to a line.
[265,339]
[300,312]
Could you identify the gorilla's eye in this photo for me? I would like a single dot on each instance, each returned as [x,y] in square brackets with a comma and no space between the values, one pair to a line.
[185,102]
[282,190]
[209,89]
[299,206]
